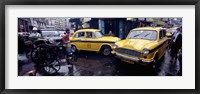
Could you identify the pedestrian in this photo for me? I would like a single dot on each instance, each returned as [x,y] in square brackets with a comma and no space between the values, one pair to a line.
[176,45]
[110,33]
[66,42]
[65,37]
[35,35]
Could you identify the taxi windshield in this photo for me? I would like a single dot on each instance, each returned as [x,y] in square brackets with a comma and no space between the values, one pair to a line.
[142,34]
[99,34]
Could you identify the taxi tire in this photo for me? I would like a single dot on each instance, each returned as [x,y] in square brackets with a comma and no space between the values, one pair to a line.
[154,64]
[75,49]
[105,48]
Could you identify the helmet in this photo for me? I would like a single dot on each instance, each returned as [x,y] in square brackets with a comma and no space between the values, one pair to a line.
[35,28]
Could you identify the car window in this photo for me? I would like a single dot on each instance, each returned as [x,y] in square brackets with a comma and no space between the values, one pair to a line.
[142,34]
[90,35]
[80,35]
[162,34]
[99,34]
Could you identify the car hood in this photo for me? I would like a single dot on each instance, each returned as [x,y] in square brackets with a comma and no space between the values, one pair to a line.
[135,44]
[109,38]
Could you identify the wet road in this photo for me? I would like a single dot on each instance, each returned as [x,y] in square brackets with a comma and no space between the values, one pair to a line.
[94,64]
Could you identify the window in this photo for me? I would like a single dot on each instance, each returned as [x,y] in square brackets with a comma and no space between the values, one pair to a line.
[90,35]
[80,35]
[99,34]
[162,34]
[143,34]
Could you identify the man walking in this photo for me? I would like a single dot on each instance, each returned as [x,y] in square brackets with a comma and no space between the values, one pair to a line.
[176,45]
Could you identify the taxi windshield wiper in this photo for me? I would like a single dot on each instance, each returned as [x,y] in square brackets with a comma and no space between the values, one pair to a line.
[137,35]
[147,34]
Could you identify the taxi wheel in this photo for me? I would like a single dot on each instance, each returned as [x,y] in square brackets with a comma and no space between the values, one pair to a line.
[153,65]
[73,48]
[106,50]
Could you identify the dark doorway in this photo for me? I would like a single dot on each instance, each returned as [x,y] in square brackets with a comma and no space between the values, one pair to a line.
[109,26]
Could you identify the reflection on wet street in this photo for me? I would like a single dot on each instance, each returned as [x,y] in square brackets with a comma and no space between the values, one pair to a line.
[94,64]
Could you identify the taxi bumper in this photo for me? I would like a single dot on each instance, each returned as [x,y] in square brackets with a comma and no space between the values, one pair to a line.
[132,60]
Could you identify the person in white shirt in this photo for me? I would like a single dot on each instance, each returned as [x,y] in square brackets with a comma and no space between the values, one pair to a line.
[34,33]
[176,34]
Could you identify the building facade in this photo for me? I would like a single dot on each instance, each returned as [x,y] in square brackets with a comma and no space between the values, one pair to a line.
[26,24]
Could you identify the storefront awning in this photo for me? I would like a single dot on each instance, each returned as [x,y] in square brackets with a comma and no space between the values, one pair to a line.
[85,20]
[150,20]
[131,19]
[85,25]
[160,22]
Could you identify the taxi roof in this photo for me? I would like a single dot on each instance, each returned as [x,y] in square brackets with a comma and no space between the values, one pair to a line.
[148,28]
[91,30]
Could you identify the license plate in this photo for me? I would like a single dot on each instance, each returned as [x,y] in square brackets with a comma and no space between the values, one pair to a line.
[131,62]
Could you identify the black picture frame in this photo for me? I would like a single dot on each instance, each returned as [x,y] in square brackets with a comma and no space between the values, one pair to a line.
[3,3]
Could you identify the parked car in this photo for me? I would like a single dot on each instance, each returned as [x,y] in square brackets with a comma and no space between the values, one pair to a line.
[49,36]
[145,46]
[92,40]
[171,32]
[23,33]
[61,33]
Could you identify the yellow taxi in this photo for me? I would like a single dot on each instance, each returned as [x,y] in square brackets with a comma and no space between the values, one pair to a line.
[172,32]
[144,45]
[92,40]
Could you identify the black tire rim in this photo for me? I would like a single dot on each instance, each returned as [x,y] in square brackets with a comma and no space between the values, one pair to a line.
[73,49]
[106,51]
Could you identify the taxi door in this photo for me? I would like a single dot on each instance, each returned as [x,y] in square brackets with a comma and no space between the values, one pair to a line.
[91,41]
[166,44]
[162,44]
[78,40]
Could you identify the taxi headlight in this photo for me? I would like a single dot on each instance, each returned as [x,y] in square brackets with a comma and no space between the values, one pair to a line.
[145,52]
[115,46]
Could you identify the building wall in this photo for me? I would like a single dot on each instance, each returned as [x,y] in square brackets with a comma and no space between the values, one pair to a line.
[57,23]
